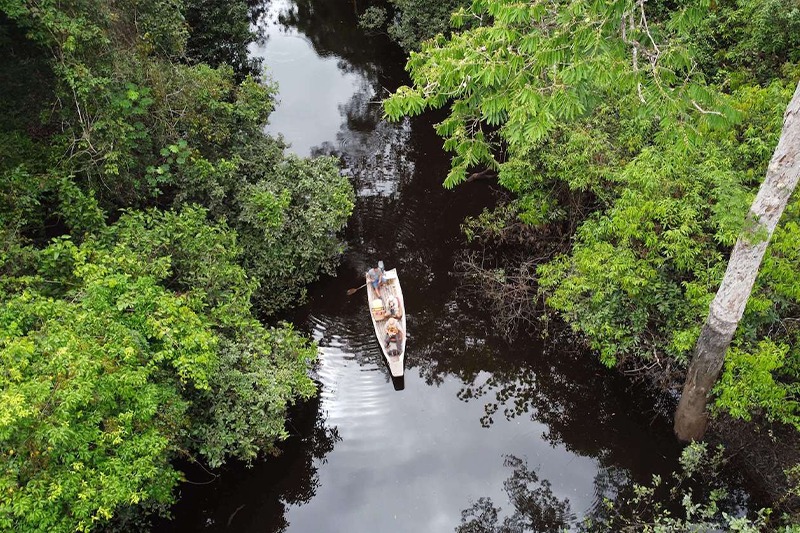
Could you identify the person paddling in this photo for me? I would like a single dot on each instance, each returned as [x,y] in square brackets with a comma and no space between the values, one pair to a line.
[376,280]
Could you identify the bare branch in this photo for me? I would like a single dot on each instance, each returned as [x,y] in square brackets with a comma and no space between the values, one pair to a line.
[704,111]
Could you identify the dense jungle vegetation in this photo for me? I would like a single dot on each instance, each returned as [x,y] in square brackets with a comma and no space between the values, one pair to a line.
[148,230]
[632,136]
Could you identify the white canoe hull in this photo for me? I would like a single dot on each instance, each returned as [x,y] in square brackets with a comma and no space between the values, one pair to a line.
[391,286]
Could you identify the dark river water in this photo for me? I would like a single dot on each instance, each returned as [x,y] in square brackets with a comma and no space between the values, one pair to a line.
[475,414]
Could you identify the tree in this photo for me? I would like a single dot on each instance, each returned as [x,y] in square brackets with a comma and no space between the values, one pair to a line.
[90,396]
[412,21]
[260,371]
[125,352]
[530,68]
[696,490]
[728,306]
[142,128]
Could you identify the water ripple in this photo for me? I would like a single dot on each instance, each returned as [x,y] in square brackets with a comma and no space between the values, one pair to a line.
[354,390]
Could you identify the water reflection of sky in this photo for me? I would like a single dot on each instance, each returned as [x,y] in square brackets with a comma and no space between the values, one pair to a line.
[311,87]
[412,461]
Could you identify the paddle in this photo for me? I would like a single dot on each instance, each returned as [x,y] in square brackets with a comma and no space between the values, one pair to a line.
[350,292]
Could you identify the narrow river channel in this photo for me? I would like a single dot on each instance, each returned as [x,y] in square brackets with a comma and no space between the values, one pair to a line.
[474,414]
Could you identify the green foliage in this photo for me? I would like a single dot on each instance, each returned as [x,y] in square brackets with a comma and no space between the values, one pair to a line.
[126,345]
[19,200]
[286,211]
[216,114]
[91,404]
[410,22]
[126,351]
[642,272]
[419,20]
[751,40]
[748,383]
[101,101]
[121,106]
[79,210]
[489,224]
[139,128]
[288,225]
[528,69]
[648,127]
[652,257]
[202,258]
[373,18]
[261,372]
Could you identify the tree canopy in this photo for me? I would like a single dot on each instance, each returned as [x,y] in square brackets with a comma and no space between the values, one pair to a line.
[146,221]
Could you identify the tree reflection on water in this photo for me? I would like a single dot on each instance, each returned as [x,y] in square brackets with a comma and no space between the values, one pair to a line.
[582,406]
[257,496]
[694,499]
[331,26]
[535,507]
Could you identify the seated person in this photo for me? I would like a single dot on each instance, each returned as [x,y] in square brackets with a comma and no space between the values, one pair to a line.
[376,280]
[394,337]
[393,307]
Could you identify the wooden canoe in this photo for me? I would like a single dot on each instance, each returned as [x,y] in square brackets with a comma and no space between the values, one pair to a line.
[391,286]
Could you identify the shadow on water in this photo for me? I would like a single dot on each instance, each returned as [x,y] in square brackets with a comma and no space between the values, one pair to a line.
[361,456]
[256,498]
[399,383]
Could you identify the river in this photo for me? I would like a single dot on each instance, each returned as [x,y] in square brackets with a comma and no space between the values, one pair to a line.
[476,417]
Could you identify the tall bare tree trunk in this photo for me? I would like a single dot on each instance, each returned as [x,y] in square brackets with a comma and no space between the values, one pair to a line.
[728,306]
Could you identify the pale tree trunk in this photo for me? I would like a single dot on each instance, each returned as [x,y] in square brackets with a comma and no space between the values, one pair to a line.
[728,306]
